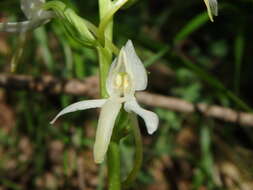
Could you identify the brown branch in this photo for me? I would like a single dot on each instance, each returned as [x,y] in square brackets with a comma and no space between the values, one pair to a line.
[89,87]
[213,111]
[50,84]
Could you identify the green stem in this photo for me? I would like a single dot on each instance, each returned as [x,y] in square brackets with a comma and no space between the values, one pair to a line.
[108,17]
[114,166]
[105,53]
[105,59]
[104,8]
[109,43]
[138,153]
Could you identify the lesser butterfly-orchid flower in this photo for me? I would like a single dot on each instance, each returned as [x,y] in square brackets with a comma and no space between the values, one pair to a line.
[126,76]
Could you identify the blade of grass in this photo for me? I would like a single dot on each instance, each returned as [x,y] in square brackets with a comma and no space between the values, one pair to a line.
[41,38]
[156,57]
[17,56]
[238,52]
[201,73]
[215,83]
[191,27]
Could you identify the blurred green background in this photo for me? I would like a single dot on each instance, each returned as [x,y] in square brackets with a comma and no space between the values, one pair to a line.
[187,56]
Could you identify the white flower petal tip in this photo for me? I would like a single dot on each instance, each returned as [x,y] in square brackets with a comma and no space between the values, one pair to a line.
[82,105]
[97,161]
[150,118]
[152,122]
[106,122]
[212,8]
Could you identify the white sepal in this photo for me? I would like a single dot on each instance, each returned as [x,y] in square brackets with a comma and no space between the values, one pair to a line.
[82,105]
[24,26]
[31,7]
[106,123]
[212,8]
[15,26]
[110,77]
[135,65]
[150,118]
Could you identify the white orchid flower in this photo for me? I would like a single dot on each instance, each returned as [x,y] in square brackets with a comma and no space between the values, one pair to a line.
[212,8]
[35,14]
[127,75]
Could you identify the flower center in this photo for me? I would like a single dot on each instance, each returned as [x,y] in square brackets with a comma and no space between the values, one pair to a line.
[122,83]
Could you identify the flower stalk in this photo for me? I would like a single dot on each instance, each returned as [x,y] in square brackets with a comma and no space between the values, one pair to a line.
[114,166]
[119,80]
[105,59]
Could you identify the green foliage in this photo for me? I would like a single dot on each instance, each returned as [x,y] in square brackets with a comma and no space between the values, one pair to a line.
[203,62]
[74,24]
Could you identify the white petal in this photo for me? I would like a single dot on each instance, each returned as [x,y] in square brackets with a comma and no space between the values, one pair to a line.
[136,67]
[150,118]
[82,105]
[109,80]
[20,26]
[13,26]
[212,8]
[119,3]
[30,7]
[106,122]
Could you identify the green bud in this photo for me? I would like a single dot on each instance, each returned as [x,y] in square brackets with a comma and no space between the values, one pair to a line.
[74,24]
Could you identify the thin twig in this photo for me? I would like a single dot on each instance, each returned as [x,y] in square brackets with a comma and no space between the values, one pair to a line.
[138,153]
[89,88]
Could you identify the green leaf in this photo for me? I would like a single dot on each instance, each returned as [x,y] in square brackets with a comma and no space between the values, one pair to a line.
[238,52]
[191,26]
